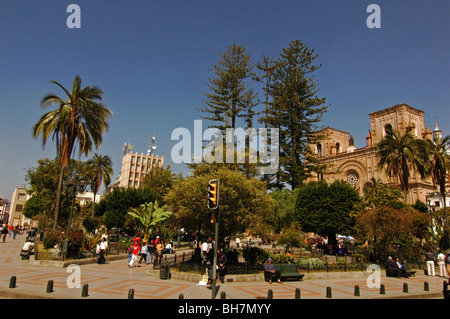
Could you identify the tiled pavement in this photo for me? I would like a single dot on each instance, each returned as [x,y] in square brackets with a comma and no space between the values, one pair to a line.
[114,280]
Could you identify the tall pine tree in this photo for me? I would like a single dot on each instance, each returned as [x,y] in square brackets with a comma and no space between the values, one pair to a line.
[228,87]
[295,109]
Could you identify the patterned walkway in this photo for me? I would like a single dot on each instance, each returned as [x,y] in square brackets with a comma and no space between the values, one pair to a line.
[114,280]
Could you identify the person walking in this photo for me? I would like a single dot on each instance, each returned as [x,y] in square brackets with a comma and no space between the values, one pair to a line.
[135,249]
[429,256]
[4,233]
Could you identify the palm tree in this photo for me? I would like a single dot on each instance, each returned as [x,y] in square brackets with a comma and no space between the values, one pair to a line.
[400,154]
[100,169]
[439,164]
[80,120]
[376,193]
[150,215]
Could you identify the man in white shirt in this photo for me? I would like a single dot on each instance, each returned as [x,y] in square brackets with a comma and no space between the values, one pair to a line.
[103,246]
[205,249]
[441,264]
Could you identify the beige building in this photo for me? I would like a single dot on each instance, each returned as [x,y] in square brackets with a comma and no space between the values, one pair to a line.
[134,168]
[344,161]
[19,197]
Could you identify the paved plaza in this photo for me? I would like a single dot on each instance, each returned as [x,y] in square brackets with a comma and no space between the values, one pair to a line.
[115,280]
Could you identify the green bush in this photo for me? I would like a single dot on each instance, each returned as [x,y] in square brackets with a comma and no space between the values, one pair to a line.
[281,258]
[255,255]
[50,239]
[311,263]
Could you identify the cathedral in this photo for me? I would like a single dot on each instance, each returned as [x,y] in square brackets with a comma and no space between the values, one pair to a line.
[336,150]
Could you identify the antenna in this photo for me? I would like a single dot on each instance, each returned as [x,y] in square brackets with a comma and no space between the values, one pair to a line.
[127,147]
[152,146]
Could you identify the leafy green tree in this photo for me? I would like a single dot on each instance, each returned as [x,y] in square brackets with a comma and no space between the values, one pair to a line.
[327,209]
[160,180]
[115,205]
[291,236]
[376,193]
[43,181]
[150,215]
[32,207]
[285,204]
[99,169]
[242,201]
[295,109]
[79,120]
[391,231]
[399,154]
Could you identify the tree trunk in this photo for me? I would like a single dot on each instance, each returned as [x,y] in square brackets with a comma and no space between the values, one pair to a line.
[58,198]
[93,204]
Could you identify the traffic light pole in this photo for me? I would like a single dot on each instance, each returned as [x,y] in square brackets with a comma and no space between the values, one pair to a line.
[215,289]
[213,204]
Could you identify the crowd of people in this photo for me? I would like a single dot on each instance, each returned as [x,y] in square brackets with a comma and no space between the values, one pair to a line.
[141,251]
[11,231]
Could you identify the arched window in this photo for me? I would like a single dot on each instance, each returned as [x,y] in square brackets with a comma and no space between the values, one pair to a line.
[319,150]
[386,128]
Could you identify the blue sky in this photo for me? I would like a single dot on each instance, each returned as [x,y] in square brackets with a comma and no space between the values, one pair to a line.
[152,60]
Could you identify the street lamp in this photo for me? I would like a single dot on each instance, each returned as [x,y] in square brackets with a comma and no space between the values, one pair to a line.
[75,181]
[431,209]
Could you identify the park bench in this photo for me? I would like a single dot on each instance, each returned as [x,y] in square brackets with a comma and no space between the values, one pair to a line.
[287,271]
[408,270]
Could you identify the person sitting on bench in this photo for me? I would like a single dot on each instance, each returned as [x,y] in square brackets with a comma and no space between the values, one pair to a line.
[392,269]
[271,272]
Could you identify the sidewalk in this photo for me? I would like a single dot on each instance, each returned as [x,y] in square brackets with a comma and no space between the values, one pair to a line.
[114,280]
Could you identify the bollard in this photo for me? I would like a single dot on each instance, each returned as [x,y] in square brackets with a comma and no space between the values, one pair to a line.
[357,291]
[12,282]
[50,286]
[382,289]
[180,296]
[426,286]
[270,294]
[328,292]
[405,287]
[297,293]
[84,292]
[131,294]
[446,291]
[223,295]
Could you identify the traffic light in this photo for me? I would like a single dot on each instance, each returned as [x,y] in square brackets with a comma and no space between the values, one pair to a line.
[213,194]
[212,217]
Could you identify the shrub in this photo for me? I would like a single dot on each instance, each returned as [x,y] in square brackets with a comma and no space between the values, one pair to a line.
[50,239]
[255,255]
[311,263]
[281,259]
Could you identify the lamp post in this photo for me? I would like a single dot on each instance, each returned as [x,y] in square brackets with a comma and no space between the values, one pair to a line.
[431,209]
[75,181]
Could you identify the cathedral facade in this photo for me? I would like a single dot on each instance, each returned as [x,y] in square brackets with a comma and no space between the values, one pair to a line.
[335,149]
